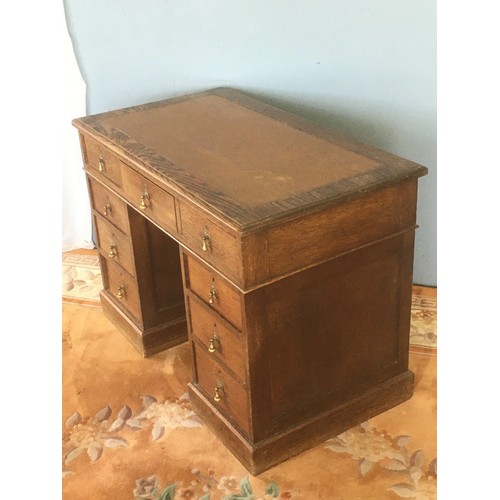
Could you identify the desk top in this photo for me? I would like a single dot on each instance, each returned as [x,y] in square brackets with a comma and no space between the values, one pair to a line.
[251,163]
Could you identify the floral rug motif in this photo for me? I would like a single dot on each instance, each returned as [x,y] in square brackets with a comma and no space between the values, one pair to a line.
[81,278]
[129,431]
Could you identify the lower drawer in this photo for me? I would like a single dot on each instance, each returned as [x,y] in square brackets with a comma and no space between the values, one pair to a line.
[217,337]
[108,204]
[229,396]
[115,245]
[123,288]
[213,289]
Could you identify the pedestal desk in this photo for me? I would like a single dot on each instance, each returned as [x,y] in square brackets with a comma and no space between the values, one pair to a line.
[281,250]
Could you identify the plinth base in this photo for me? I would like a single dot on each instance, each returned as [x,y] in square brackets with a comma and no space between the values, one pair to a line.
[150,340]
[258,457]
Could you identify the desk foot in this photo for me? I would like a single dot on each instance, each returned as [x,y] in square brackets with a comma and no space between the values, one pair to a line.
[150,340]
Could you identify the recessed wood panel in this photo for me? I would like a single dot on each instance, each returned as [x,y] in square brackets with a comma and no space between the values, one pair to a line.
[334,330]
[166,268]
[157,262]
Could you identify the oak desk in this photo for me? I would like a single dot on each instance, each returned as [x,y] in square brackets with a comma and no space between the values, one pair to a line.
[293,284]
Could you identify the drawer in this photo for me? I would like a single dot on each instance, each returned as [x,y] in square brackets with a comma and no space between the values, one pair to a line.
[149,199]
[106,203]
[218,338]
[210,241]
[123,288]
[213,289]
[114,245]
[222,389]
[102,161]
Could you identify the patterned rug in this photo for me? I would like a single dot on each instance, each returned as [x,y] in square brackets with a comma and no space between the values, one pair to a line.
[129,431]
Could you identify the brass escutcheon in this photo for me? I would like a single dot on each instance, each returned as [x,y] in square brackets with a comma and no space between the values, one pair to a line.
[107,209]
[206,240]
[121,292]
[113,250]
[219,391]
[102,164]
[144,200]
[213,340]
[213,294]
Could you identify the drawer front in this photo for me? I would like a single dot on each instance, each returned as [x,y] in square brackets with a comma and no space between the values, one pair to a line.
[218,339]
[123,288]
[212,243]
[103,161]
[149,199]
[225,393]
[114,245]
[213,289]
[106,203]
[320,236]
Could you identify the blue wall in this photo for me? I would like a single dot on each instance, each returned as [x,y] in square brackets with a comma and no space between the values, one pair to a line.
[367,69]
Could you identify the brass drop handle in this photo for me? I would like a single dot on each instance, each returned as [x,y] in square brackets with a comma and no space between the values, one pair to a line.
[121,292]
[107,209]
[213,340]
[206,241]
[144,200]
[219,391]
[102,164]
[213,294]
[113,250]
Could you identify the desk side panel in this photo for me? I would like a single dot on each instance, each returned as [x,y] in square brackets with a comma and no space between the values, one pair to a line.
[324,336]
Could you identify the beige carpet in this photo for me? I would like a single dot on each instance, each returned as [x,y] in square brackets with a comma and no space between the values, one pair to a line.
[129,431]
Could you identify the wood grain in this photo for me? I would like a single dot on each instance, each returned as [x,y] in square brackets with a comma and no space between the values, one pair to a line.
[147,341]
[319,337]
[229,344]
[250,163]
[158,272]
[294,245]
[112,243]
[234,397]
[201,280]
[261,456]
[118,279]
[159,205]
[106,203]
[222,249]
[95,152]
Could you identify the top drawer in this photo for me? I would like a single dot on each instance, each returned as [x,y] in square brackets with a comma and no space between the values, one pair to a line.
[149,199]
[101,160]
[211,242]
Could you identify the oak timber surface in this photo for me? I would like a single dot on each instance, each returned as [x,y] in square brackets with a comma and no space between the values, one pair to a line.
[248,161]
